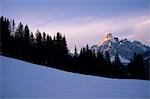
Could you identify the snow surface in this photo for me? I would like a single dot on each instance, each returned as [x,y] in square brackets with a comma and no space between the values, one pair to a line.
[23,80]
[123,60]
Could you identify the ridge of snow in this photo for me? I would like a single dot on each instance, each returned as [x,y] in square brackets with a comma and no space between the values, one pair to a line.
[123,60]
[112,58]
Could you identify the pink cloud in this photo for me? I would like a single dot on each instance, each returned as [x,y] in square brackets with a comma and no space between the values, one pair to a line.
[88,30]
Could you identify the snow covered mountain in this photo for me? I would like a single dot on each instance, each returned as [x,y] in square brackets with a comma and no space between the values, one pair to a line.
[23,80]
[125,48]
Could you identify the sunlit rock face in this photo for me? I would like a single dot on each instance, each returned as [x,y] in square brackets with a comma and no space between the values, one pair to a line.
[125,48]
[108,36]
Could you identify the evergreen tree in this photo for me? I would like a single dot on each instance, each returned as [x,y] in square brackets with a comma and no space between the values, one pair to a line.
[5,29]
[49,50]
[5,35]
[117,67]
[108,67]
[12,27]
[39,38]
[39,48]
[107,58]
[87,47]
[58,40]
[19,31]
[26,35]
[75,52]
[44,37]
[64,46]
[32,39]
[136,67]
[101,64]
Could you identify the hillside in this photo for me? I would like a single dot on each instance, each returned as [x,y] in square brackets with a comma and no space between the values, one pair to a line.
[22,80]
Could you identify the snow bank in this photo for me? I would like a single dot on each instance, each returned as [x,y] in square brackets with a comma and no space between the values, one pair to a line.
[23,80]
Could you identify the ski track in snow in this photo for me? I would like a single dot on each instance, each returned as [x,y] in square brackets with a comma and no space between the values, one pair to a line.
[23,80]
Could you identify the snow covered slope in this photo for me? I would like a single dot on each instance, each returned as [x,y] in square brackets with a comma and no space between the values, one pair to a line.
[23,80]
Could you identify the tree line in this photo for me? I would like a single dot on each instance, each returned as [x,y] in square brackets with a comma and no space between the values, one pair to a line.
[40,48]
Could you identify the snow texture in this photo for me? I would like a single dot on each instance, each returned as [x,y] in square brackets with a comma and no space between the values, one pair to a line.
[23,80]
[121,59]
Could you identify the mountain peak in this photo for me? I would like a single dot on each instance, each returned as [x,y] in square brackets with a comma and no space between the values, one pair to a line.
[108,36]
[125,48]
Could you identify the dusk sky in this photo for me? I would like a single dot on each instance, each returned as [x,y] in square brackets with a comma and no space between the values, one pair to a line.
[83,21]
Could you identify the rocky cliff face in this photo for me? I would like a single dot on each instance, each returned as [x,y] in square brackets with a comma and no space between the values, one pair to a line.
[125,48]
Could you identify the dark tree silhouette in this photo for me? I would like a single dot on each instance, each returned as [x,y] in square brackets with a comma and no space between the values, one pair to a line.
[5,34]
[117,67]
[19,32]
[26,35]
[38,38]
[75,52]
[136,67]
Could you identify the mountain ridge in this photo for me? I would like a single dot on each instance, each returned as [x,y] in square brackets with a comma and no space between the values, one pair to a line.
[125,48]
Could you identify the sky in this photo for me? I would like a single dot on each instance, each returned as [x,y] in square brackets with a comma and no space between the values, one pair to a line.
[83,21]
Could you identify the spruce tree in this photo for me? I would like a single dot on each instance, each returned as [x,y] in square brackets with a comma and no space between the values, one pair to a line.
[26,35]
[117,67]
[32,39]
[64,46]
[75,52]
[107,58]
[39,38]
[19,32]
[136,67]
[107,68]
[44,37]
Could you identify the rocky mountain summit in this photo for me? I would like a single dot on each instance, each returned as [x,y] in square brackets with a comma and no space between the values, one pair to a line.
[125,48]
